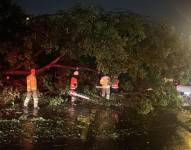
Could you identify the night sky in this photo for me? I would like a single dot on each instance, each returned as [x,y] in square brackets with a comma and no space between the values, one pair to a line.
[177,12]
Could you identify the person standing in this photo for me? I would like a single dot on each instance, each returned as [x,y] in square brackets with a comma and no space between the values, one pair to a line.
[74,84]
[105,86]
[31,90]
[115,85]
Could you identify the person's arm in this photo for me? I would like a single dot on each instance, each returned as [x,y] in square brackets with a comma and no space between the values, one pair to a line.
[101,82]
[35,82]
[76,83]
[28,83]
[109,81]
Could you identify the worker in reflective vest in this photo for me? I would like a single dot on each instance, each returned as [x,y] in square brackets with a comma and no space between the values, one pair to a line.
[74,84]
[31,89]
[105,86]
[115,85]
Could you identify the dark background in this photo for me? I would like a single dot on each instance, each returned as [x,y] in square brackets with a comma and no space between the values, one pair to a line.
[176,12]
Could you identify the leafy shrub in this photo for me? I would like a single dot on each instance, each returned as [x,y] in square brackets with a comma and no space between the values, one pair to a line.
[165,96]
[8,95]
[56,101]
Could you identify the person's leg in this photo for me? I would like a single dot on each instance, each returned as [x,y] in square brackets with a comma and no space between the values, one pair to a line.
[35,98]
[35,112]
[27,99]
[73,98]
[114,91]
[103,92]
[108,93]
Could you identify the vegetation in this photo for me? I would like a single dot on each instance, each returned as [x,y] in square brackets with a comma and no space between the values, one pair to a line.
[141,52]
[145,55]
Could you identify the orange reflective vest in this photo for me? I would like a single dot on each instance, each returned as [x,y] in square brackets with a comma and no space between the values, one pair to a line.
[105,81]
[31,83]
[115,84]
[73,83]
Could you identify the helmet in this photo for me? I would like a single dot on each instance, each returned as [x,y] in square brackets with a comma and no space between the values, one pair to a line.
[7,77]
[33,71]
[76,73]
[115,77]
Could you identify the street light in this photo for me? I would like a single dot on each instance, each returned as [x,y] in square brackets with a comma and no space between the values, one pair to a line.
[27,18]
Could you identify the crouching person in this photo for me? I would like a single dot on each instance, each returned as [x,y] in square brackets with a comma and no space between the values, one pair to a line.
[31,90]
[105,86]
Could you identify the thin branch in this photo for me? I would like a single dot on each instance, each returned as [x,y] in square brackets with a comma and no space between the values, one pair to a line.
[16,72]
[74,68]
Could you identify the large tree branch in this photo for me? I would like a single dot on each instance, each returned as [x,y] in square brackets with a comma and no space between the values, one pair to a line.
[22,64]
[52,64]
[49,65]
[22,72]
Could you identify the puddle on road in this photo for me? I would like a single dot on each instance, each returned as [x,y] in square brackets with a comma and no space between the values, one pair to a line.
[87,127]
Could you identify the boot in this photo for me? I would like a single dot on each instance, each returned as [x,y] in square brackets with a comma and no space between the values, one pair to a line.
[25,110]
